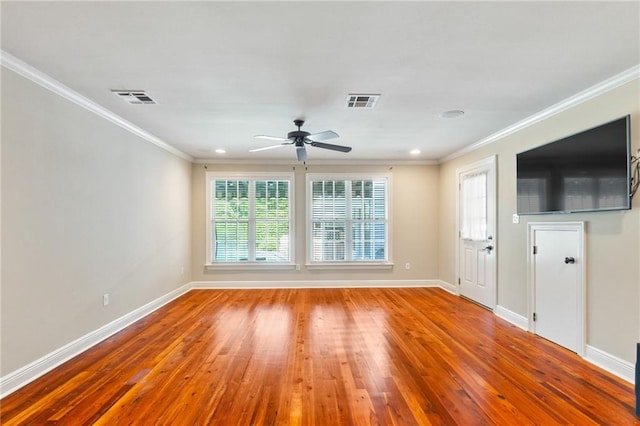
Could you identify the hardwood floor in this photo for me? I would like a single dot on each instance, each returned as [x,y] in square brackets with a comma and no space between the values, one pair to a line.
[325,357]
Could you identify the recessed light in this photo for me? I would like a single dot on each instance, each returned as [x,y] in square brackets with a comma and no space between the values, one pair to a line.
[454,113]
[414,152]
[220,151]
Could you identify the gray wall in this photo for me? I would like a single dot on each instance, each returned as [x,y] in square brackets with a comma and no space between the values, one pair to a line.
[613,238]
[87,209]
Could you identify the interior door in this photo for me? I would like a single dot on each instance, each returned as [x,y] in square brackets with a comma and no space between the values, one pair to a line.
[476,232]
[557,264]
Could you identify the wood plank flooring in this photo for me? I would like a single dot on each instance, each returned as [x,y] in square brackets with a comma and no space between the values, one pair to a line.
[324,357]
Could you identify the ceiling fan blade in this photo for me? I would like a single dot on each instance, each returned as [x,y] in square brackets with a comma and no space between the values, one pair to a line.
[268,147]
[331,146]
[323,136]
[301,152]
[271,138]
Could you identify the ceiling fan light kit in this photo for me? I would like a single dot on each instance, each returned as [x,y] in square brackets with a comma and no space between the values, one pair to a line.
[299,138]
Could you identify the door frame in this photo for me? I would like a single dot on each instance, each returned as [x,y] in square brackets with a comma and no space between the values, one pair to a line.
[493,164]
[581,273]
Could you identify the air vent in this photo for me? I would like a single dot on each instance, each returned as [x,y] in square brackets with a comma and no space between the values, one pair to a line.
[362,101]
[136,97]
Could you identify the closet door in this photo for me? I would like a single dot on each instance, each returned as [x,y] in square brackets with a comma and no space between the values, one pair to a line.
[557,263]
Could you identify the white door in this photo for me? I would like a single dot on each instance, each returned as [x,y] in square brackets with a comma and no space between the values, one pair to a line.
[476,232]
[557,262]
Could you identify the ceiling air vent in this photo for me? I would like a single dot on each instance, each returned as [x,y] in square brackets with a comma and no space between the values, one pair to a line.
[136,97]
[362,101]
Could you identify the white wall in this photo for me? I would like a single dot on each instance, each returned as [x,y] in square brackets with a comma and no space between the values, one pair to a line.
[87,209]
[613,238]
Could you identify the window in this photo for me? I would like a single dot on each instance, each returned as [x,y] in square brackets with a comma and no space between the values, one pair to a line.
[249,218]
[474,206]
[348,218]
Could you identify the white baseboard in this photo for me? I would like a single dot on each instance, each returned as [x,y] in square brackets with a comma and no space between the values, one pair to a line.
[19,378]
[614,365]
[313,284]
[24,375]
[451,288]
[510,316]
[619,367]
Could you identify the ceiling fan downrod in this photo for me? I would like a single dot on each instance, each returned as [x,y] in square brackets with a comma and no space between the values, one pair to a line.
[298,136]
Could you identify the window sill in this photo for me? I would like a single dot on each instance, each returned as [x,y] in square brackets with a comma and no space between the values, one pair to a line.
[250,266]
[349,265]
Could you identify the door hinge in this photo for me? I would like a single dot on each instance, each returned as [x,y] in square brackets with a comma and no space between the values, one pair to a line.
[535,249]
[458,281]
[535,317]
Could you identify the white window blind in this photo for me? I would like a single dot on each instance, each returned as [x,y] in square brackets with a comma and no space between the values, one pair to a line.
[474,207]
[348,219]
[250,219]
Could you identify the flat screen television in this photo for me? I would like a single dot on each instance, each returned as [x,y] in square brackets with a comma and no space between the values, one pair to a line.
[588,171]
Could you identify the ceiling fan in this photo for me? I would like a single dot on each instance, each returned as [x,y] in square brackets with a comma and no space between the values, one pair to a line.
[299,138]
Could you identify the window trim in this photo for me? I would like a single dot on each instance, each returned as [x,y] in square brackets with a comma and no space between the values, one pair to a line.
[348,264]
[209,263]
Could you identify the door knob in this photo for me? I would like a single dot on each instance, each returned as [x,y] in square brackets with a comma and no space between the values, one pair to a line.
[488,248]
[568,260]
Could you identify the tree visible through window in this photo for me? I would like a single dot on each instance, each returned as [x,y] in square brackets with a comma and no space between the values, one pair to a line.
[250,219]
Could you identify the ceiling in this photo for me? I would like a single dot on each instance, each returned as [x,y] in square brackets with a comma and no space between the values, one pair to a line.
[223,72]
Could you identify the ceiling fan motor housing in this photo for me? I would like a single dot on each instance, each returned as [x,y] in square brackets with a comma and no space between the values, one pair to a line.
[297,135]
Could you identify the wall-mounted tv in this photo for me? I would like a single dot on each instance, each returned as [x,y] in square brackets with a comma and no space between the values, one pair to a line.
[588,171]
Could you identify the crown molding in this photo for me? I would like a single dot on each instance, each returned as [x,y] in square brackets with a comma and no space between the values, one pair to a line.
[27,71]
[598,89]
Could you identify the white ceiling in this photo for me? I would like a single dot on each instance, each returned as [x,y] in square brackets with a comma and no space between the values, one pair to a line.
[223,72]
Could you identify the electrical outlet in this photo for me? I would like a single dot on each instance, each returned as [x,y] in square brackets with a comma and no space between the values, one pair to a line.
[105,299]
[407,266]
[182,270]
[516,218]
